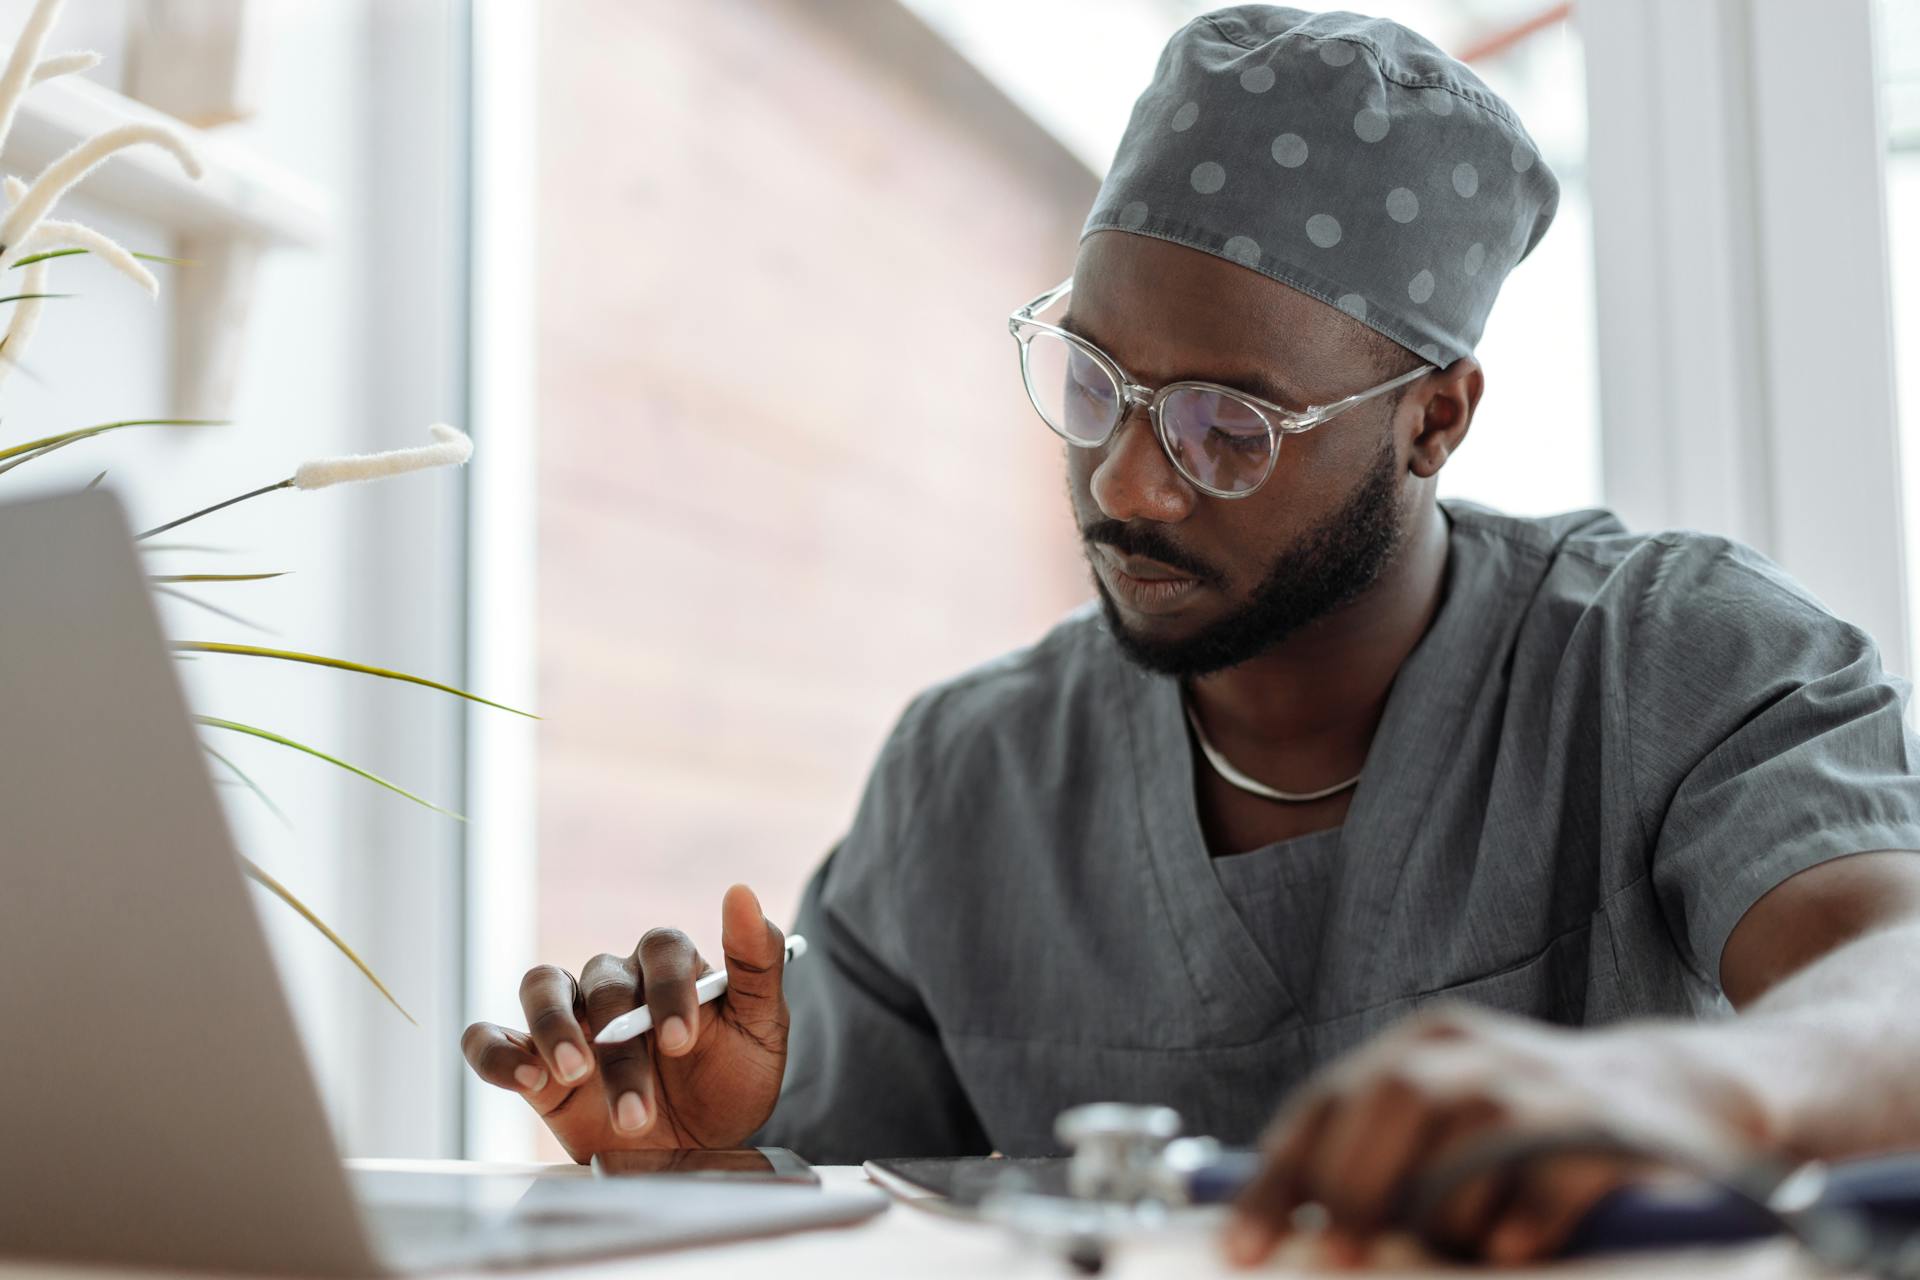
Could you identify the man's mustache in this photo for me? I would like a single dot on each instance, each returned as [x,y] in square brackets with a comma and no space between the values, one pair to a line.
[1145,540]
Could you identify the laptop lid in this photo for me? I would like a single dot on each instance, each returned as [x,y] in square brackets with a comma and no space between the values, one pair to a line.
[158,1107]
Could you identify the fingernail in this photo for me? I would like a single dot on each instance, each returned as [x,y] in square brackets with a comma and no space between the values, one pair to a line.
[571,1062]
[673,1033]
[531,1078]
[1246,1241]
[631,1114]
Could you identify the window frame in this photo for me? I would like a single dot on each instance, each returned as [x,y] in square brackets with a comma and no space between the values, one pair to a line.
[1731,399]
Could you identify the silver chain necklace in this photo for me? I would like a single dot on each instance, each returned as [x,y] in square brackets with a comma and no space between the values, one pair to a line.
[1226,770]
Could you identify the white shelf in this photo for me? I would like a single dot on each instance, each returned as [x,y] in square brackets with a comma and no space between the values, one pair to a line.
[240,196]
[240,207]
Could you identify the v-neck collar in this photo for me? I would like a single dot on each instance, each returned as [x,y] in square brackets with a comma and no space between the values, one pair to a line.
[1436,684]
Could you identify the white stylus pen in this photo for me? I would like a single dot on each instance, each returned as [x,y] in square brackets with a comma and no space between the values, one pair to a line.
[705,991]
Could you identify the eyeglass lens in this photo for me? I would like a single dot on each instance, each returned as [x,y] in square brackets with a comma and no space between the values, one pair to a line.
[1216,440]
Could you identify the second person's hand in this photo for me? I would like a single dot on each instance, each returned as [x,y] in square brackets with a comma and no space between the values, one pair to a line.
[705,1076]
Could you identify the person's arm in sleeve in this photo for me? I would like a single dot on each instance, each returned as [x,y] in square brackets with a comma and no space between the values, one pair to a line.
[867,1075]
[1766,739]
[1785,860]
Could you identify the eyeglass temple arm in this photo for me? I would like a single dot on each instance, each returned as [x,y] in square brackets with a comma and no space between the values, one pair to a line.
[1317,414]
[1040,303]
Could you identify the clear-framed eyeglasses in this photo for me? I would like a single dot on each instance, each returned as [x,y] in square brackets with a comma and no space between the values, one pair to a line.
[1222,441]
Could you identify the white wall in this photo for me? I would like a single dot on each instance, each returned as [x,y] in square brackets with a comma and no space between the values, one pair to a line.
[1903,221]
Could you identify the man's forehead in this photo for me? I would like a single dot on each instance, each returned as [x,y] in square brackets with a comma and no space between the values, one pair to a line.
[1126,270]
[1165,309]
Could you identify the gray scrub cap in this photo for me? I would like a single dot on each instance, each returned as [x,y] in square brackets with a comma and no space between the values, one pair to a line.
[1342,155]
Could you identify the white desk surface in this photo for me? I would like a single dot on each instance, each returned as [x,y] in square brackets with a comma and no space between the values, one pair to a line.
[906,1243]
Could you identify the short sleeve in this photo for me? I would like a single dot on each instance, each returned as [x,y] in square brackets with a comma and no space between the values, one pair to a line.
[866,1074]
[1765,737]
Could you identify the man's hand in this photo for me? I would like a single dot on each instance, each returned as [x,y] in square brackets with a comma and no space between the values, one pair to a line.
[1362,1138]
[1817,1066]
[703,1077]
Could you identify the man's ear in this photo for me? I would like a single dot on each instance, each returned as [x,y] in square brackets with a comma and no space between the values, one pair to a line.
[1441,409]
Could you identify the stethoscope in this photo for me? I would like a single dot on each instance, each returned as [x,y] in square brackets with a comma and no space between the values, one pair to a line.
[1130,1172]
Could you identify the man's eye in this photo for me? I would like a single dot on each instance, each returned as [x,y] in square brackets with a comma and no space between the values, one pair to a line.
[1092,383]
[1239,438]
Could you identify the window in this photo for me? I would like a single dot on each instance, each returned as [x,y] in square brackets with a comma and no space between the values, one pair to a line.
[1898,46]
[338,341]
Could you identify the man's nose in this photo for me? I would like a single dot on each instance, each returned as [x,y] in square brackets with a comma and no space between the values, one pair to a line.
[1135,479]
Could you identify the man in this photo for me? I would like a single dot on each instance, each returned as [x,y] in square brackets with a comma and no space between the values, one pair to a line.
[1328,752]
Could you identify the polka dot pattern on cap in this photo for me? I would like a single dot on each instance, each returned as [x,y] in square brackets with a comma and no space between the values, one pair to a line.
[1244,250]
[1343,156]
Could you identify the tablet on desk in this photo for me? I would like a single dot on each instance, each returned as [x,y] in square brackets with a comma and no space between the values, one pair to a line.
[743,1164]
[962,1182]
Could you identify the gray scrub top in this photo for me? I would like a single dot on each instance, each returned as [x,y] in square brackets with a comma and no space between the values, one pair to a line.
[1606,748]
[1280,893]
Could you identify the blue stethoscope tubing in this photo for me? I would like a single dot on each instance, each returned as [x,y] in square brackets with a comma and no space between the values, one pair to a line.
[1868,1202]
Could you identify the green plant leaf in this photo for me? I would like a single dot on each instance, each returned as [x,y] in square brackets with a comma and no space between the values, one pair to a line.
[257,874]
[82,433]
[30,259]
[25,458]
[22,297]
[215,577]
[214,722]
[208,646]
[251,785]
[95,482]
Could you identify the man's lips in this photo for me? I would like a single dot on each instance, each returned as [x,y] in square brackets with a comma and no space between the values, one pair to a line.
[1141,568]
[1145,587]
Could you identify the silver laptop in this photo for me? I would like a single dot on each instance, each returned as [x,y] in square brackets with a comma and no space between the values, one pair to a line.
[157,1107]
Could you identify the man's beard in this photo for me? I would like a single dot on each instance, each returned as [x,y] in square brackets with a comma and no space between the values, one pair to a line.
[1330,565]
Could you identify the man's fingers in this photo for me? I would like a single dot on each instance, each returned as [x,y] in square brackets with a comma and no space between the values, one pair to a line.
[755,956]
[626,1073]
[1264,1210]
[1552,1198]
[1479,1196]
[551,1000]
[498,1058]
[609,987]
[1359,1168]
[668,966]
